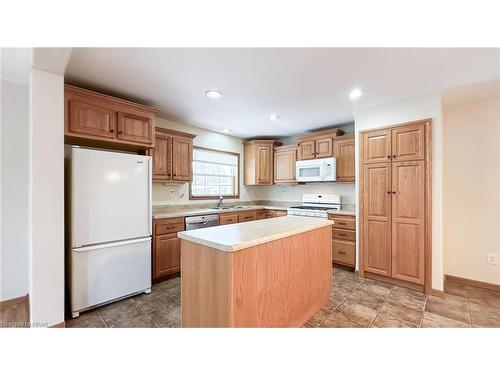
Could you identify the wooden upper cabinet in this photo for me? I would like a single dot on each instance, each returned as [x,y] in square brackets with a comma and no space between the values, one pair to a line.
[408,142]
[324,148]
[317,144]
[307,150]
[94,119]
[172,156]
[135,128]
[258,161]
[376,218]
[264,164]
[87,117]
[182,159]
[377,146]
[408,221]
[344,153]
[284,164]
[162,157]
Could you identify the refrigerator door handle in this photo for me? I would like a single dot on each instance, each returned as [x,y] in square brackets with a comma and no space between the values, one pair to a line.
[110,244]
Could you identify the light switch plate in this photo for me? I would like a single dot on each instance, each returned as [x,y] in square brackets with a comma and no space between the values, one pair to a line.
[492,259]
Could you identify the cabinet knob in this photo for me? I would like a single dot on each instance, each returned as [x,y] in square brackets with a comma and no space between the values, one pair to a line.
[394,156]
[120,132]
[388,192]
[388,156]
[111,130]
[393,192]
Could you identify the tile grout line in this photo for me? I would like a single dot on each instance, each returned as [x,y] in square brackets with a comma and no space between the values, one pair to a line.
[468,306]
[106,324]
[159,326]
[381,307]
[423,311]
[342,302]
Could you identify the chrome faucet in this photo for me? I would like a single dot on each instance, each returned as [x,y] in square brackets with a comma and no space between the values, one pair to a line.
[221,202]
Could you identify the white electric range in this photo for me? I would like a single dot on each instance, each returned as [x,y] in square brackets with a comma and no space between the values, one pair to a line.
[316,205]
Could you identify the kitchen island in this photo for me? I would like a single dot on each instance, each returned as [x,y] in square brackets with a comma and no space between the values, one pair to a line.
[267,273]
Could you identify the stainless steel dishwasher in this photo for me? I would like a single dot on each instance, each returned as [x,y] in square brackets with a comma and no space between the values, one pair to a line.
[197,222]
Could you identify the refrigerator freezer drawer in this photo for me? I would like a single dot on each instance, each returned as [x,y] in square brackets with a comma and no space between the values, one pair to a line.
[104,273]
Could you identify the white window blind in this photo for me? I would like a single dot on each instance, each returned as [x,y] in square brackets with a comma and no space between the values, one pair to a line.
[215,173]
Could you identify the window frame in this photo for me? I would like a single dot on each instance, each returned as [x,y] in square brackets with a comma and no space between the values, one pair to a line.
[212,197]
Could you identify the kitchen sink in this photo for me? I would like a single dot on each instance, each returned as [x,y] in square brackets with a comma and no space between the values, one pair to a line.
[228,207]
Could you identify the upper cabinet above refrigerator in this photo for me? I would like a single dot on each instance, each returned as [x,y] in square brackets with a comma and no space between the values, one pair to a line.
[98,120]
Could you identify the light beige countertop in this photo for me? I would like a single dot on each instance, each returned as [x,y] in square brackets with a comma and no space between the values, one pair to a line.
[343,211]
[167,214]
[234,237]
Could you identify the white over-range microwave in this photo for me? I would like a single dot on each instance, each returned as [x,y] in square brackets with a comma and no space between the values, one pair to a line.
[316,170]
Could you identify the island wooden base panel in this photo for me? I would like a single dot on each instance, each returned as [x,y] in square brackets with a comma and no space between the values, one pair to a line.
[281,283]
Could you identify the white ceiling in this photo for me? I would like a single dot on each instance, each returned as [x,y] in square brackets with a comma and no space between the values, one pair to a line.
[307,87]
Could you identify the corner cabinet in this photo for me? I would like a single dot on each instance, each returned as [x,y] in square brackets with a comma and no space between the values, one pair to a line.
[284,164]
[259,156]
[172,156]
[99,120]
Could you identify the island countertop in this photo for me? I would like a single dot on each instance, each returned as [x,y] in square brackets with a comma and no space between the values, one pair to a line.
[234,237]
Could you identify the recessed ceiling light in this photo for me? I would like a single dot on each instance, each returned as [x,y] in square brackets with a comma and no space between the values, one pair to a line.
[355,94]
[213,94]
[274,117]
[226,131]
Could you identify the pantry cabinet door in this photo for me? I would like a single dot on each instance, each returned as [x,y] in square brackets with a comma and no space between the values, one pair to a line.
[377,146]
[408,142]
[344,153]
[377,218]
[408,221]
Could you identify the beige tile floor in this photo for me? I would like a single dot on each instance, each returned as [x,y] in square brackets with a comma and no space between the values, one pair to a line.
[353,302]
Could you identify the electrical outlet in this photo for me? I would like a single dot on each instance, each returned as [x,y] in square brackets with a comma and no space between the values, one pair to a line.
[492,259]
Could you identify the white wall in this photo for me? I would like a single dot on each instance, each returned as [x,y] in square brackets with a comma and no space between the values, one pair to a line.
[411,109]
[471,188]
[14,189]
[46,198]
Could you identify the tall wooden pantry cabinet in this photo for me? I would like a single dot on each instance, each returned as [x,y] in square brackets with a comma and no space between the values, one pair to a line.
[395,204]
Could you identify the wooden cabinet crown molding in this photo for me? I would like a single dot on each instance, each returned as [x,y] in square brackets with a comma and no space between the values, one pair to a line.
[328,133]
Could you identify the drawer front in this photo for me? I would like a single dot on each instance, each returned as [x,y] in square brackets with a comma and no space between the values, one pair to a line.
[278,213]
[343,222]
[342,234]
[247,216]
[228,219]
[344,251]
[168,226]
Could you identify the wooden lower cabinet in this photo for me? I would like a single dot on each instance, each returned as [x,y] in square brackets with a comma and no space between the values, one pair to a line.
[344,239]
[166,255]
[247,216]
[225,219]
[344,252]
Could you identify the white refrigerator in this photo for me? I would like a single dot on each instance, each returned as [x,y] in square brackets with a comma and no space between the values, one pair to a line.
[110,227]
